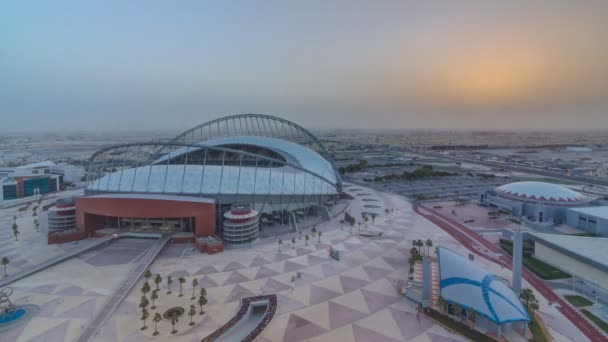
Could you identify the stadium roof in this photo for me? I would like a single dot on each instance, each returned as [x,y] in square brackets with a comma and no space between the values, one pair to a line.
[592,249]
[464,282]
[294,153]
[601,212]
[46,163]
[541,191]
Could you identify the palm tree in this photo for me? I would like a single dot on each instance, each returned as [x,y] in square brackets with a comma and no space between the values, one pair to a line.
[143,303]
[194,285]
[319,236]
[306,239]
[147,275]
[15,231]
[181,280]
[144,316]
[157,318]
[419,244]
[191,313]
[428,244]
[5,261]
[37,224]
[457,309]
[280,243]
[440,303]
[174,321]
[169,282]
[202,300]
[145,288]
[157,280]
[293,243]
[154,297]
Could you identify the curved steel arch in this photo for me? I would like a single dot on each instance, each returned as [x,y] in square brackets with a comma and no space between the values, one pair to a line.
[322,150]
[202,147]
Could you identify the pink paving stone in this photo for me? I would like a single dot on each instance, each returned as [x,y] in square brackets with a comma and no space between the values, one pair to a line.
[45,289]
[320,294]
[291,266]
[206,281]
[340,315]
[350,284]
[299,329]
[330,269]
[371,253]
[69,291]
[235,277]
[350,261]
[265,272]
[53,334]
[83,310]
[375,272]
[48,309]
[314,259]
[287,304]
[274,286]
[408,325]
[180,273]
[233,265]
[282,256]
[376,301]
[207,270]
[439,338]
[258,261]
[362,334]
[352,246]
[13,333]
[306,278]
[237,293]
[395,262]
[302,251]
[93,293]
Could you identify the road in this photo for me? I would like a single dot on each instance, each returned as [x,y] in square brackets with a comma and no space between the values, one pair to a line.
[521,168]
[469,239]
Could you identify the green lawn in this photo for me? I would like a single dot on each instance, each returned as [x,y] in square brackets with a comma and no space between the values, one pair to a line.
[598,321]
[578,301]
[540,268]
[459,327]
[537,332]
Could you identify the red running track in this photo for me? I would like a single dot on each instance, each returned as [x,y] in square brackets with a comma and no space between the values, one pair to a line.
[469,238]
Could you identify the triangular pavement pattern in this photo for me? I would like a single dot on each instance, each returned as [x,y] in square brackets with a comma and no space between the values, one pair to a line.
[375,272]
[206,281]
[265,272]
[350,284]
[57,333]
[274,286]
[235,277]
[376,301]
[321,294]
[232,266]
[332,283]
[316,314]
[282,256]
[366,335]
[84,310]
[291,266]
[258,261]
[353,300]
[287,304]
[44,289]
[340,315]
[69,291]
[314,259]
[408,323]
[237,293]
[207,270]
[299,329]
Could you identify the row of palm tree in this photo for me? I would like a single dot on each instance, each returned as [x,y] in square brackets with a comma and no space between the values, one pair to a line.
[293,240]
[419,244]
[4,262]
[202,300]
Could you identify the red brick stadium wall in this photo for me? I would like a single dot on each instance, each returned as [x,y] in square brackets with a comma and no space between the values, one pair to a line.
[91,212]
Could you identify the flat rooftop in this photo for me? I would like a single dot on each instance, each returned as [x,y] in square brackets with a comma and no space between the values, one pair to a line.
[591,248]
[601,212]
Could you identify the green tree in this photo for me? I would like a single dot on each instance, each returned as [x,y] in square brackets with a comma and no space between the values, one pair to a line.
[37,224]
[194,285]
[181,281]
[169,282]
[293,243]
[457,309]
[174,321]
[319,235]
[280,243]
[429,244]
[5,261]
[191,313]
[157,280]
[143,303]
[145,288]
[144,316]
[202,300]
[157,318]
[147,275]
[154,297]
[15,231]
[307,238]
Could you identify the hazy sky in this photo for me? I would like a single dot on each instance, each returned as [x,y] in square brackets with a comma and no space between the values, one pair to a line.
[147,64]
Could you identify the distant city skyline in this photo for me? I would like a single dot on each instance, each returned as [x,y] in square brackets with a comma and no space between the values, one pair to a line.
[148,65]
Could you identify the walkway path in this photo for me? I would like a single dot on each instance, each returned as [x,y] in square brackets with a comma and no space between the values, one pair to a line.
[122,291]
[50,262]
[473,241]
